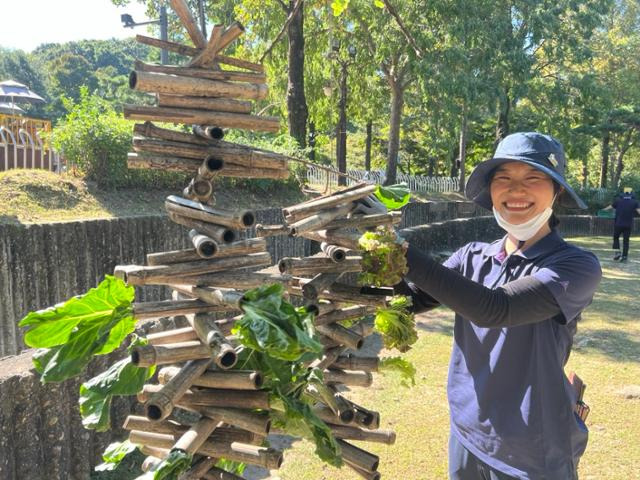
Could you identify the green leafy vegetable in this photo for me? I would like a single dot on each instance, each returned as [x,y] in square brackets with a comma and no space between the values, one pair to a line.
[396,324]
[114,454]
[393,196]
[95,323]
[237,468]
[177,462]
[122,378]
[383,258]
[401,366]
[274,326]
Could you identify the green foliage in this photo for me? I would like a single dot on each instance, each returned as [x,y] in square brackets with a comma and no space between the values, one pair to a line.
[396,324]
[383,257]
[114,454]
[177,462]
[230,466]
[393,196]
[399,366]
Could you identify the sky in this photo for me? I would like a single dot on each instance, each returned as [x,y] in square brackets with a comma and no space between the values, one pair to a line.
[25,24]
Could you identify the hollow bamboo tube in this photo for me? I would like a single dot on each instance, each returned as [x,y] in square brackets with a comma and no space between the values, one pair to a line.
[239,452]
[223,353]
[159,453]
[160,404]
[229,105]
[207,397]
[354,362]
[239,279]
[208,132]
[361,328]
[232,380]
[366,418]
[351,379]
[318,220]
[170,308]
[204,246]
[341,335]
[195,210]
[366,221]
[321,281]
[329,202]
[162,162]
[206,56]
[351,294]
[186,334]
[335,402]
[192,439]
[199,87]
[340,238]
[184,13]
[329,357]
[200,190]
[366,474]
[149,130]
[218,474]
[148,355]
[346,432]
[226,324]
[214,296]
[257,423]
[334,252]
[271,230]
[315,265]
[358,457]
[324,307]
[199,468]
[220,234]
[327,415]
[167,274]
[349,313]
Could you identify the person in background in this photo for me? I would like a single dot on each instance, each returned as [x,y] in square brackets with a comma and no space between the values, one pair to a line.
[625,206]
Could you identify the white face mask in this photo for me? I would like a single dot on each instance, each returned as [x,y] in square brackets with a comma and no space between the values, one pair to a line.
[525,231]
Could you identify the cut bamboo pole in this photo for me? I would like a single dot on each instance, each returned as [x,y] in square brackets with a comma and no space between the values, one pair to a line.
[366,474]
[342,335]
[220,234]
[319,283]
[149,130]
[335,402]
[366,221]
[170,308]
[327,415]
[230,34]
[208,54]
[362,328]
[351,294]
[309,208]
[229,105]
[237,279]
[349,313]
[200,190]
[162,162]
[271,230]
[222,75]
[351,379]
[334,252]
[178,335]
[358,457]
[159,453]
[219,379]
[219,398]
[190,116]
[257,423]
[315,265]
[148,355]
[191,441]
[329,357]
[341,238]
[346,432]
[364,417]
[199,468]
[150,463]
[223,353]
[168,274]
[319,219]
[198,87]
[197,211]
[184,13]
[204,246]
[214,296]
[354,362]
[237,62]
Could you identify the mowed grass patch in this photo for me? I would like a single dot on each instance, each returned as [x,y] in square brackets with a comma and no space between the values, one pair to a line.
[606,355]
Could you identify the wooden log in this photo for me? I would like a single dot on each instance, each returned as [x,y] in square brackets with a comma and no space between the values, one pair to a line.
[329,357]
[351,294]
[359,457]
[199,190]
[229,105]
[319,219]
[271,230]
[349,313]
[149,130]
[184,13]
[207,55]
[222,75]
[190,116]
[148,355]
[191,440]
[237,62]
[170,308]
[239,452]
[366,474]
[366,221]
[220,234]
[223,353]
[257,423]
[205,247]
[315,265]
[199,87]
[208,132]
[209,397]
[341,238]
[334,252]
[177,335]
[238,171]
[230,34]
[351,379]
[354,362]
[214,296]
[241,247]
[342,335]
[219,379]
[162,162]
[308,208]
[346,432]
[168,274]
[197,211]
[238,279]
[319,283]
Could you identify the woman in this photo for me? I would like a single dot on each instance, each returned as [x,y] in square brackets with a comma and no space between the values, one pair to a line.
[517,302]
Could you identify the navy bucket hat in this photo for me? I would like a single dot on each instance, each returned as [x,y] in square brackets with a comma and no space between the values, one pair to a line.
[542,152]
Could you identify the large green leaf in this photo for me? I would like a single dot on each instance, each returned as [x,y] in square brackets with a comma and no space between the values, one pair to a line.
[393,196]
[171,467]
[114,454]
[122,378]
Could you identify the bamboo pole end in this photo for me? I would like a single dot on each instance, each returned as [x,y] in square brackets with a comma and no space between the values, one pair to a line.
[158,407]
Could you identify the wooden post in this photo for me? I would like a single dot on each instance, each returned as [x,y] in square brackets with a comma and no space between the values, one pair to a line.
[182,10]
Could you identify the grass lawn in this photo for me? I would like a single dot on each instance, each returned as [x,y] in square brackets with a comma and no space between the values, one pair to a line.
[606,355]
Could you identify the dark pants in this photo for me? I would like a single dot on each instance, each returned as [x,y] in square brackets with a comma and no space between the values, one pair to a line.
[464,465]
[626,233]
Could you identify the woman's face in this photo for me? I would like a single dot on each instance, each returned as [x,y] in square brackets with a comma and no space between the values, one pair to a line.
[519,192]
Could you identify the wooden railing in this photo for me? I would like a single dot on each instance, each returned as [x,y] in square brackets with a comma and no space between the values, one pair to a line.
[23,144]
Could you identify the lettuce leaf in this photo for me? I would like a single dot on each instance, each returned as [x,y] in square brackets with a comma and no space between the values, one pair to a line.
[393,196]
[114,454]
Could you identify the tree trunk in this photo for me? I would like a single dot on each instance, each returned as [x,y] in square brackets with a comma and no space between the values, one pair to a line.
[624,147]
[341,137]
[585,172]
[312,141]
[604,158]
[367,147]
[397,103]
[432,166]
[296,101]
[455,161]
[504,107]
[463,147]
